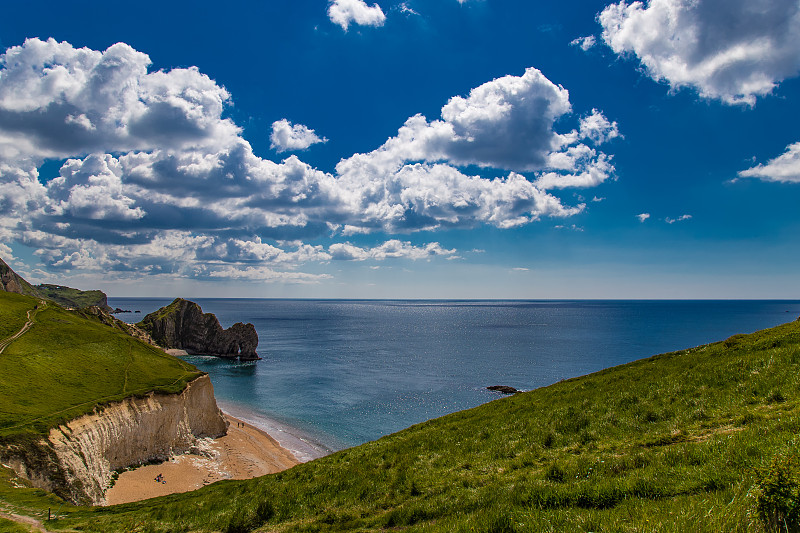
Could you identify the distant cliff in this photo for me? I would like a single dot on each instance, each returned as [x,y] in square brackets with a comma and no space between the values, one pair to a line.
[10,281]
[183,325]
[74,298]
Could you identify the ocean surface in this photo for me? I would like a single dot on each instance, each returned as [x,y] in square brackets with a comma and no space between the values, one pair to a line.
[337,373]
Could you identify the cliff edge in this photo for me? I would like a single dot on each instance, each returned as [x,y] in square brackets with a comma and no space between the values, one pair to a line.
[77,459]
[183,325]
[10,281]
[74,298]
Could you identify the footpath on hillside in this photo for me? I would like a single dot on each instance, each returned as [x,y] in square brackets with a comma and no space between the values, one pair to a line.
[31,315]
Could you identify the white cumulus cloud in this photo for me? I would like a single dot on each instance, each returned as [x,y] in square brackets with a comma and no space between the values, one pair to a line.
[643,216]
[784,168]
[507,123]
[157,182]
[288,137]
[57,101]
[731,50]
[345,12]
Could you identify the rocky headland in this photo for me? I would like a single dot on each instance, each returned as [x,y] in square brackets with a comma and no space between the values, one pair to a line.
[10,281]
[182,325]
[69,297]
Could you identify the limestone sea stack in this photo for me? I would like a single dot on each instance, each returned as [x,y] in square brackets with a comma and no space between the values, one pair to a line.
[183,325]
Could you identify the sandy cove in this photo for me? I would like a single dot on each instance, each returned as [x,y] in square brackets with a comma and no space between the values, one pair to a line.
[245,452]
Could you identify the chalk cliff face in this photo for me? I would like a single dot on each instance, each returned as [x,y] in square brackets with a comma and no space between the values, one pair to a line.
[183,325]
[84,452]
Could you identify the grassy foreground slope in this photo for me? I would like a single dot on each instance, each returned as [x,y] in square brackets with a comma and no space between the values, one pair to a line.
[66,364]
[669,443]
[13,312]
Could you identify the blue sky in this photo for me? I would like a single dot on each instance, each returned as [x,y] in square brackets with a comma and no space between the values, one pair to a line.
[417,149]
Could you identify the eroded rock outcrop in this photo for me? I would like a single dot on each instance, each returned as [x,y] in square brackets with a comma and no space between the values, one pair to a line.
[10,281]
[183,325]
[78,458]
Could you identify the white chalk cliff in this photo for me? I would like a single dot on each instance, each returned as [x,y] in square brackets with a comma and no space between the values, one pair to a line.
[133,431]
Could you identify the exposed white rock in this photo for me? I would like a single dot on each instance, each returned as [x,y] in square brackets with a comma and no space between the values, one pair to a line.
[131,432]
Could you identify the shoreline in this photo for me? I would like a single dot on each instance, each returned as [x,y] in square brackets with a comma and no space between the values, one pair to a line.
[245,452]
[303,446]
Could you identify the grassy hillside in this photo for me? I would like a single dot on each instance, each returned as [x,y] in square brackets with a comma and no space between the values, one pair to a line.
[67,364]
[675,442]
[13,309]
[75,298]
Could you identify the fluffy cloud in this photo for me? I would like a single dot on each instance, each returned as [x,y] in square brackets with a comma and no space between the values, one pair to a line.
[287,137]
[345,12]
[643,216]
[584,43]
[507,123]
[6,253]
[91,188]
[784,168]
[731,50]
[57,101]
[21,193]
[392,249]
[157,181]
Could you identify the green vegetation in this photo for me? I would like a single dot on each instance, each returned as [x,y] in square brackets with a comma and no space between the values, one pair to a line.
[7,526]
[13,312]
[67,364]
[696,440]
[75,298]
[777,494]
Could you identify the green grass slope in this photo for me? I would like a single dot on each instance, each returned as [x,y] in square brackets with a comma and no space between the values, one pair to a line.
[67,364]
[669,443]
[13,312]
[76,298]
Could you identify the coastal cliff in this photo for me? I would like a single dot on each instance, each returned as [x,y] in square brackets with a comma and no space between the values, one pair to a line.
[64,296]
[183,325]
[10,281]
[78,458]
[74,298]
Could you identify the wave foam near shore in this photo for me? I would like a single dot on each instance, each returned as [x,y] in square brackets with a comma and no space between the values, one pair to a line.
[303,446]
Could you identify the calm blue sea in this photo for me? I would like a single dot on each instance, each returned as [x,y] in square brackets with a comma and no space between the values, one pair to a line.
[337,373]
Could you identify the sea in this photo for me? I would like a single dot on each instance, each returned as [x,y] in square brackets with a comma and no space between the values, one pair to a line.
[338,373]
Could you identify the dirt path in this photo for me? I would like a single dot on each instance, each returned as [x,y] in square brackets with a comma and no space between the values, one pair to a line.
[31,314]
[25,521]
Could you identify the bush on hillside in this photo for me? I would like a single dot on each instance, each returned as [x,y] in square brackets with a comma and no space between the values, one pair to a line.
[777,494]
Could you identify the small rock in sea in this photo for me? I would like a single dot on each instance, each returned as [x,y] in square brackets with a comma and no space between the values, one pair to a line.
[137,311]
[505,389]
[118,310]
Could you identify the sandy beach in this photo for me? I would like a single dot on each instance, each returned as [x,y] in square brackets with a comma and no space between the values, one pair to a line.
[245,452]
